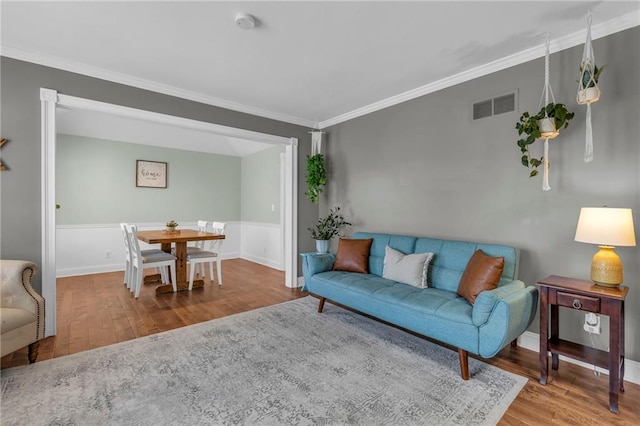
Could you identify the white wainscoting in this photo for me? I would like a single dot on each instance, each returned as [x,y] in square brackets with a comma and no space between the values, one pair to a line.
[96,248]
[262,243]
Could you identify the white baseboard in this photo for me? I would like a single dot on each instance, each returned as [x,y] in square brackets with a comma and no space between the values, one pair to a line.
[531,341]
[263,261]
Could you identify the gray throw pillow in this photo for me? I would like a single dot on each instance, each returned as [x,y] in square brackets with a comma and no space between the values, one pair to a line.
[410,269]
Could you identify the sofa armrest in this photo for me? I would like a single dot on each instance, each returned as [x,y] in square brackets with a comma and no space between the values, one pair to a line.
[486,301]
[512,313]
[314,263]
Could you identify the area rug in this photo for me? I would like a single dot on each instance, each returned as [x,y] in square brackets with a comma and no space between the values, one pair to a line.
[280,365]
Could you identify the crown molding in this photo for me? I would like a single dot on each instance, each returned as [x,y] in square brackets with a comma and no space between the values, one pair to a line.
[121,78]
[604,29]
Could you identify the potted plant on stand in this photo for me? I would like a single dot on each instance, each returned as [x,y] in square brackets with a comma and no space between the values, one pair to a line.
[327,228]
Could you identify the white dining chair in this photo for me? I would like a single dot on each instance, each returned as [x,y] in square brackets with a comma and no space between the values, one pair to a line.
[128,281]
[153,259]
[210,255]
[199,245]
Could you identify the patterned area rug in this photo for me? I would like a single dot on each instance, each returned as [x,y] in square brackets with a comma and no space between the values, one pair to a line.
[280,365]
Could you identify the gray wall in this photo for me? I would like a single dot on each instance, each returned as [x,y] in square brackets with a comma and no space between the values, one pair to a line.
[425,168]
[96,183]
[20,187]
[260,186]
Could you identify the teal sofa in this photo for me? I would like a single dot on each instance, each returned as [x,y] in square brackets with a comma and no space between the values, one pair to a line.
[496,318]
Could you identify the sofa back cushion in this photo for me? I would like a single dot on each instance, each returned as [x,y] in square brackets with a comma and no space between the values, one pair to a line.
[450,256]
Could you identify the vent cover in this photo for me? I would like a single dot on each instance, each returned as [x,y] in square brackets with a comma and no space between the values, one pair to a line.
[494,106]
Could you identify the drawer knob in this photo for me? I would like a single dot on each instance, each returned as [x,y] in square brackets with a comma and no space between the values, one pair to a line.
[577,304]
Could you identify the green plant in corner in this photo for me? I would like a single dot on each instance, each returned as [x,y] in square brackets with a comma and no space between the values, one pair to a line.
[329,226]
[316,177]
[529,125]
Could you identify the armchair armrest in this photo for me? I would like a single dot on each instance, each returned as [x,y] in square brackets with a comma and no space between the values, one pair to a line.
[314,263]
[16,288]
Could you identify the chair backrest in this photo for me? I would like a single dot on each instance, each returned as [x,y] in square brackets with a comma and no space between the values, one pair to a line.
[127,246]
[217,228]
[136,255]
[202,227]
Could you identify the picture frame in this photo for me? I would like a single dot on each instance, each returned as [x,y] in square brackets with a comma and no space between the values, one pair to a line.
[151,174]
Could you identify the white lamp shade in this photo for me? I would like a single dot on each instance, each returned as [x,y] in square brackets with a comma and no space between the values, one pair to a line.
[606,226]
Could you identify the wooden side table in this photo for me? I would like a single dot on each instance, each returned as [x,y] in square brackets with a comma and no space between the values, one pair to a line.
[556,291]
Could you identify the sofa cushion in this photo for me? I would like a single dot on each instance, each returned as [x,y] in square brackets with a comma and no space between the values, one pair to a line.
[482,273]
[406,268]
[353,255]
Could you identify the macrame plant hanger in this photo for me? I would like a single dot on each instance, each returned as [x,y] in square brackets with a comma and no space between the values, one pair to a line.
[547,124]
[316,140]
[588,90]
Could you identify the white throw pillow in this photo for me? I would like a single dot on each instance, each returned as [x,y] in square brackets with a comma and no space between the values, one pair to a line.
[406,268]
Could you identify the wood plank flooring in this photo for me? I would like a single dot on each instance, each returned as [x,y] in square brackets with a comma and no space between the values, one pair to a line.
[97,310]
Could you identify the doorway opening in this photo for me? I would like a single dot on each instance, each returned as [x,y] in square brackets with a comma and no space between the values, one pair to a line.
[52,101]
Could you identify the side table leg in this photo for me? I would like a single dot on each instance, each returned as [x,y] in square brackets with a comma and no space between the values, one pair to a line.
[615,353]
[544,334]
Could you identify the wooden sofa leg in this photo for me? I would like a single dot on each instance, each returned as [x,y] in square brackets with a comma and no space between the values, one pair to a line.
[514,343]
[464,363]
[321,305]
[33,352]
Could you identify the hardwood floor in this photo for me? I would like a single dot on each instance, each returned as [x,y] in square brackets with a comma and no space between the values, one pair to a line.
[98,310]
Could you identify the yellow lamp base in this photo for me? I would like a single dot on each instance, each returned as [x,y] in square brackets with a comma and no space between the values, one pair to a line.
[606,267]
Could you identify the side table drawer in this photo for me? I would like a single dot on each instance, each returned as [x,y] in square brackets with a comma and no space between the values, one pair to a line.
[577,301]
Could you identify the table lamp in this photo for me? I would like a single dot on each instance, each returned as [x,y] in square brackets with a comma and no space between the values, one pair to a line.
[606,227]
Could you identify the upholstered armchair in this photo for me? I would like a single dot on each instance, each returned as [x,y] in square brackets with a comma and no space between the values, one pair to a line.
[21,308]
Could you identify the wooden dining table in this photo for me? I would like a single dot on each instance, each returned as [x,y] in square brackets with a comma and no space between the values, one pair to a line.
[180,238]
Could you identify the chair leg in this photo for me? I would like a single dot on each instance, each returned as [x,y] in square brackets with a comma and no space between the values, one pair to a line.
[211,276]
[127,272]
[219,270]
[33,351]
[174,283]
[163,274]
[138,282]
[464,363]
[192,272]
[321,305]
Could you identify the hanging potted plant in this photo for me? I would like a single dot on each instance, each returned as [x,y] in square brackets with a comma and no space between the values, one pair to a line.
[588,91]
[316,177]
[546,124]
[327,228]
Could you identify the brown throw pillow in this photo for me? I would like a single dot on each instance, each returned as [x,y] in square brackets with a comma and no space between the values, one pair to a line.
[482,273]
[353,255]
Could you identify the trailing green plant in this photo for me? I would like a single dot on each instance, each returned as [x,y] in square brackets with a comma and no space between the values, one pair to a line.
[329,226]
[587,69]
[316,177]
[528,125]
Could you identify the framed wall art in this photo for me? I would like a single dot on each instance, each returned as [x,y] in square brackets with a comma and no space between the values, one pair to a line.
[151,174]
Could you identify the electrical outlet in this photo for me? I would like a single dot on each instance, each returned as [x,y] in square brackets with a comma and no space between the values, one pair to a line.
[592,323]
[108,254]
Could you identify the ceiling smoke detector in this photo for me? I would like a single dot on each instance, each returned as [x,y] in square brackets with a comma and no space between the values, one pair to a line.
[245,21]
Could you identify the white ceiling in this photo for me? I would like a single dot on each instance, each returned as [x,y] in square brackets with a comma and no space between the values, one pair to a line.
[305,62]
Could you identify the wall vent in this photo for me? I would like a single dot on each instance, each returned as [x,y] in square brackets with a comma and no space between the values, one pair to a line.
[494,106]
